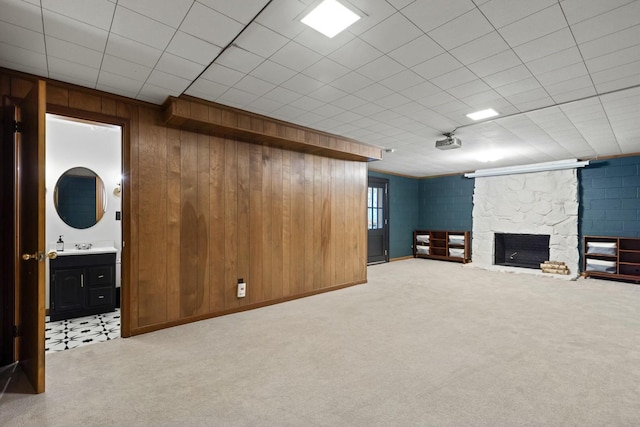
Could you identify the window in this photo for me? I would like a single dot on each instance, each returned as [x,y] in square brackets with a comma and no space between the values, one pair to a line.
[375,206]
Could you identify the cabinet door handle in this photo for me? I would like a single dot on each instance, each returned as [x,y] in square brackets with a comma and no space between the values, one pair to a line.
[101,276]
[101,297]
[82,280]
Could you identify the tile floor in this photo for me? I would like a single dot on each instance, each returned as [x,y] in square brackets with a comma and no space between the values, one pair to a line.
[72,333]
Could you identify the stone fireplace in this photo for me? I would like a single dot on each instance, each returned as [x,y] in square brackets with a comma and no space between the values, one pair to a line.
[537,203]
[521,250]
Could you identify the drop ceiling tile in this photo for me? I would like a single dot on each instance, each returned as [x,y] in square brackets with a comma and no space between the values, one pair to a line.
[170,13]
[439,98]
[327,93]
[470,88]
[373,92]
[21,37]
[402,80]
[518,87]
[555,61]
[508,76]
[355,54]
[288,113]
[326,70]
[349,102]
[206,89]
[74,53]
[73,72]
[328,110]
[236,98]
[239,59]
[546,45]
[421,90]
[416,51]
[392,101]
[209,25]
[488,98]
[352,82]
[483,47]
[602,46]
[322,44]
[240,11]
[430,14]
[302,84]
[17,58]
[295,56]
[282,95]
[391,33]
[178,66]
[222,75]
[118,83]
[97,13]
[372,13]
[437,66]
[261,40]
[254,86]
[154,94]
[273,73]
[192,48]
[138,27]
[112,65]
[454,78]
[621,72]
[534,26]
[574,94]
[461,30]
[283,16]
[563,74]
[607,23]
[264,106]
[175,85]
[580,10]
[22,14]
[614,59]
[380,68]
[493,64]
[505,12]
[64,28]
[132,51]
[569,85]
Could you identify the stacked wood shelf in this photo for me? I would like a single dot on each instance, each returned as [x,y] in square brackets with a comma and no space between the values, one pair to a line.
[612,258]
[442,245]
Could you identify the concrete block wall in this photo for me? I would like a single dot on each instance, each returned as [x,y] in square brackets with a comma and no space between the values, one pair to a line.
[446,203]
[610,198]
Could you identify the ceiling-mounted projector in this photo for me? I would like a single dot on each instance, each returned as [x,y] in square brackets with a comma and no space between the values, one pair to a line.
[449,143]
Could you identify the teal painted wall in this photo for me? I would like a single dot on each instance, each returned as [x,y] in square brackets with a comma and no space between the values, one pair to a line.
[610,198]
[403,213]
[446,203]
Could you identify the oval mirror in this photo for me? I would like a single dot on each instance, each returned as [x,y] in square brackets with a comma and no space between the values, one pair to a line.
[80,198]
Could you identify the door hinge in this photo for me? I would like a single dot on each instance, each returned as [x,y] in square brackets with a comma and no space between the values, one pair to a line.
[386,221]
[16,331]
[17,126]
[386,252]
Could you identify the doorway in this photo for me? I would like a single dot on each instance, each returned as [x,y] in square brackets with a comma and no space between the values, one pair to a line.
[83,224]
[378,220]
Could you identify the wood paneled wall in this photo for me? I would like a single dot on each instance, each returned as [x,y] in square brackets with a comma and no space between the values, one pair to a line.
[202,211]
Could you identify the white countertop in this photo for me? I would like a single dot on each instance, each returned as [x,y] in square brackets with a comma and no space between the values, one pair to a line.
[94,250]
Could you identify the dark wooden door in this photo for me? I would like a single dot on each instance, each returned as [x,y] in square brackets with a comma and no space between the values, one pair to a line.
[378,220]
[30,239]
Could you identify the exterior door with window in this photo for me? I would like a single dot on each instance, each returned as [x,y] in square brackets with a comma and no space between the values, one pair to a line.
[378,220]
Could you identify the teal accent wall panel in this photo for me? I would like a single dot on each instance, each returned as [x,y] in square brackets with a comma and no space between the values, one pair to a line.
[446,203]
[610,198]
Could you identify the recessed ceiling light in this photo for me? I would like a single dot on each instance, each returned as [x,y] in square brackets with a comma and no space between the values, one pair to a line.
[330,18]
[484,114]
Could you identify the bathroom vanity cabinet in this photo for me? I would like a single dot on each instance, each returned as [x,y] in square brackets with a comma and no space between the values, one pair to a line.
[82,285]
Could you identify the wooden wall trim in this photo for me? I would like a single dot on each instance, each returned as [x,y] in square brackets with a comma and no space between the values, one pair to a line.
[219,120]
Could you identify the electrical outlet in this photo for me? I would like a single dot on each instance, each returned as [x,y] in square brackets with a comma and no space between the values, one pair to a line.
[242,288]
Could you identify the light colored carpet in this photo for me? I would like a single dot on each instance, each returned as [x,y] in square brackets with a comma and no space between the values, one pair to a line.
[424,343]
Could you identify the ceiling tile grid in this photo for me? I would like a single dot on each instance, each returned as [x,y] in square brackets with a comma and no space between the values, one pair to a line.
[563,74]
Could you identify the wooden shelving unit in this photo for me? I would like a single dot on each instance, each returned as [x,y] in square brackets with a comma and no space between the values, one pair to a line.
[442,245]
[612,258]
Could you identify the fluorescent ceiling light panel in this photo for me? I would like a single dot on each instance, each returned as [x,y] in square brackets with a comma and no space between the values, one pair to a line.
[484,114]
[330,18]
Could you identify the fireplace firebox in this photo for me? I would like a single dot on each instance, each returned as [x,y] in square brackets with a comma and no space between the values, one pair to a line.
[521,250]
